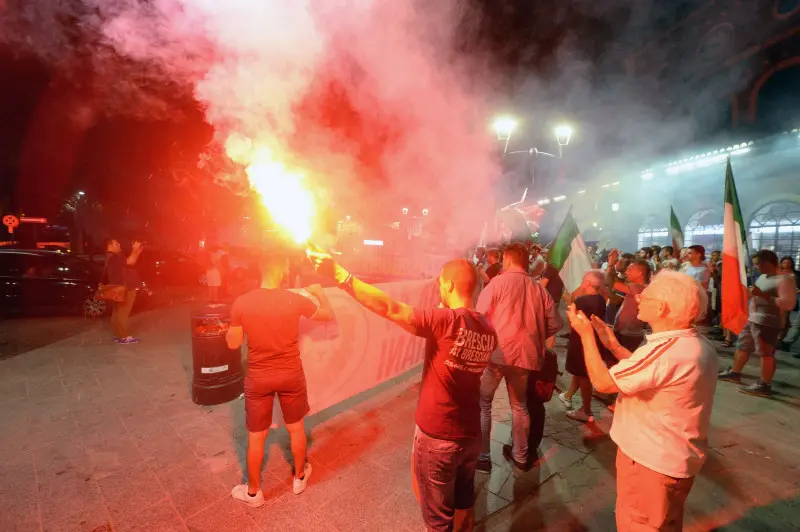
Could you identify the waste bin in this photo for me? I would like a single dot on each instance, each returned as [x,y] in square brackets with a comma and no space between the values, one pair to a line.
[218,374]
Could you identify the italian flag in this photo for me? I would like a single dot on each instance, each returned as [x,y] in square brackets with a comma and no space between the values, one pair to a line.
[568,254]
[675,231]
[734,255]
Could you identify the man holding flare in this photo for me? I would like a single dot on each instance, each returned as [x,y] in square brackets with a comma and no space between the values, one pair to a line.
[459,343]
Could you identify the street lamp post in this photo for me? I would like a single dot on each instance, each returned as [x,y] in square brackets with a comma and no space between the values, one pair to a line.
[505,127]
[563,135]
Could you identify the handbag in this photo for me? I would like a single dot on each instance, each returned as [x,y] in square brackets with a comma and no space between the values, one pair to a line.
[110,292]
[543,382]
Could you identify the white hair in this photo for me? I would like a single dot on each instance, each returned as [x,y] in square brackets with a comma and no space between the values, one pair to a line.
[685,297]
[595,278]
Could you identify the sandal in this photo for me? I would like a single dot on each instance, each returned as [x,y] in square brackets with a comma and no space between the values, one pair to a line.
[726,343]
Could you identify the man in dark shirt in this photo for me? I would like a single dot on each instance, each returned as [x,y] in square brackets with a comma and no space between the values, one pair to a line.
[120,271]
[493,266]
[459,342]
[270,317]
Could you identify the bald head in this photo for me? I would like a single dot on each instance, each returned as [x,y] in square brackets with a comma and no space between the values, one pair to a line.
[461,273]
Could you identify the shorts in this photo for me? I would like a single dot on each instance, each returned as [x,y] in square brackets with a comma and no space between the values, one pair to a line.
[259,397]
[759,339]
[648,500]
[445,475]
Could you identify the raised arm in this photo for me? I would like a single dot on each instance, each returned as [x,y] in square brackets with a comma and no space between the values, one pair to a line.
[613,282]
[372,298]
[136,251]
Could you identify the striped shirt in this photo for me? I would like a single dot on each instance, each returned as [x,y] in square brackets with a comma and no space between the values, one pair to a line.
[663,412]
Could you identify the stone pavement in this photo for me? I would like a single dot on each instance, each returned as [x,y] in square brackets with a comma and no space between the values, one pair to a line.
[101,437]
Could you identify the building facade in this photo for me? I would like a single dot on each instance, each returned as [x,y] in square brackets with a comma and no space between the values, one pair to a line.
[742,60]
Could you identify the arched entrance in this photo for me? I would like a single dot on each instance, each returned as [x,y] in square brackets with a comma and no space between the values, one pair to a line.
[704,228]
[776,226]
[653,231]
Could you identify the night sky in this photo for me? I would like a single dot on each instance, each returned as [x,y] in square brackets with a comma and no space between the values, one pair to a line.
[54,140]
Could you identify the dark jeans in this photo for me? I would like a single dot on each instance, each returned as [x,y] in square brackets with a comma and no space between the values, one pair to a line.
[445,473]
[536,412]
[517,386]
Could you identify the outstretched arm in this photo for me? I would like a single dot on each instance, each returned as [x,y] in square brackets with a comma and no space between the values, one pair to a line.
[372,298]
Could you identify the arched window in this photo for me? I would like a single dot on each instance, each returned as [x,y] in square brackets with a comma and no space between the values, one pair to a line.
[704,228]
[776,226]
[653,231]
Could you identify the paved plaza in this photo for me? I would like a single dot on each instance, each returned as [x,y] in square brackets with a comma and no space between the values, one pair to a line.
[102,437]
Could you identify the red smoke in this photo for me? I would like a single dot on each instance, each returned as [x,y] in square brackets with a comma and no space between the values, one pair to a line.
[371,98]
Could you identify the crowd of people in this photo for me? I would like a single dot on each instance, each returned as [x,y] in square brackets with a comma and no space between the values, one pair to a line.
[634,338]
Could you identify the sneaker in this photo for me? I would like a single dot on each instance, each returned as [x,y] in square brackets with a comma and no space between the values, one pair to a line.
[508,454]
[759,388]
[484,465]
[299,484]
[564,401]
[129,340]
[729,375]
[580,415]
[239,493]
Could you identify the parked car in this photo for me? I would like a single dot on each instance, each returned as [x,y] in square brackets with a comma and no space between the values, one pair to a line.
[164,267]
[48,282]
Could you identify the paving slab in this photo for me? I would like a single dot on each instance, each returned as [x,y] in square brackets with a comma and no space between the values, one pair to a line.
[102,437]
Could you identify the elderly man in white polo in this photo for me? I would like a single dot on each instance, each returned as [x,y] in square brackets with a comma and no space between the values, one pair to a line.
[666,391]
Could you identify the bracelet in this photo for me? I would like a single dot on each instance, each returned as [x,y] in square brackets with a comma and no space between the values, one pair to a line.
[347,283]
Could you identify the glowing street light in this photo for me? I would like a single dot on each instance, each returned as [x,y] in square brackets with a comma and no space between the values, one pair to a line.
[405,210]
[424,212]
[563,136]
[505,127]
[81,193]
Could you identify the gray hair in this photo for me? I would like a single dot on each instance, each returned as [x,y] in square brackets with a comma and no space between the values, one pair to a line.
[685,297]
[595,278]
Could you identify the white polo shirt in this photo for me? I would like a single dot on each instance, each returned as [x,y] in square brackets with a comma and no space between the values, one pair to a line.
[663,412]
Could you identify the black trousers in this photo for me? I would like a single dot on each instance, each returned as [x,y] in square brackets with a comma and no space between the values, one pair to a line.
[536,410]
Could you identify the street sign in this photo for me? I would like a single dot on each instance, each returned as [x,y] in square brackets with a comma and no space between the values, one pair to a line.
[27,220]
[10,221]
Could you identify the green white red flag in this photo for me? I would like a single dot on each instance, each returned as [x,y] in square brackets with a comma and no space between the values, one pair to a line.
[675,231]
[568,254]
[734,257]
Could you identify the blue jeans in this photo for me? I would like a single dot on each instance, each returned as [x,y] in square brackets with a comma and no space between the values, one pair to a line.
[517,386]
[445,472]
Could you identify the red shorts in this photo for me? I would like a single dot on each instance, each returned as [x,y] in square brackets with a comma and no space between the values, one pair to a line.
[259,396]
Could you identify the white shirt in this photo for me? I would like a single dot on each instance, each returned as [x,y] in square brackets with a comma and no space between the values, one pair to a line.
[663,412]
[701,273]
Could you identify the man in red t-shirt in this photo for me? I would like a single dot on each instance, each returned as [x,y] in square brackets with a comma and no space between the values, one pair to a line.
[459,342]
[270,317]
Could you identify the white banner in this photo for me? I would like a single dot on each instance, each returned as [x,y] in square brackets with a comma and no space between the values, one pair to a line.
[423,266]
[358,350]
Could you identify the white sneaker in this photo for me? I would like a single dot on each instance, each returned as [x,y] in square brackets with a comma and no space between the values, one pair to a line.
[299,485]
[580,415]
[239,493]
[564,401]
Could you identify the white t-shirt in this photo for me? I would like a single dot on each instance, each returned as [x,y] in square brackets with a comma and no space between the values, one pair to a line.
[702,273]
[663,412]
